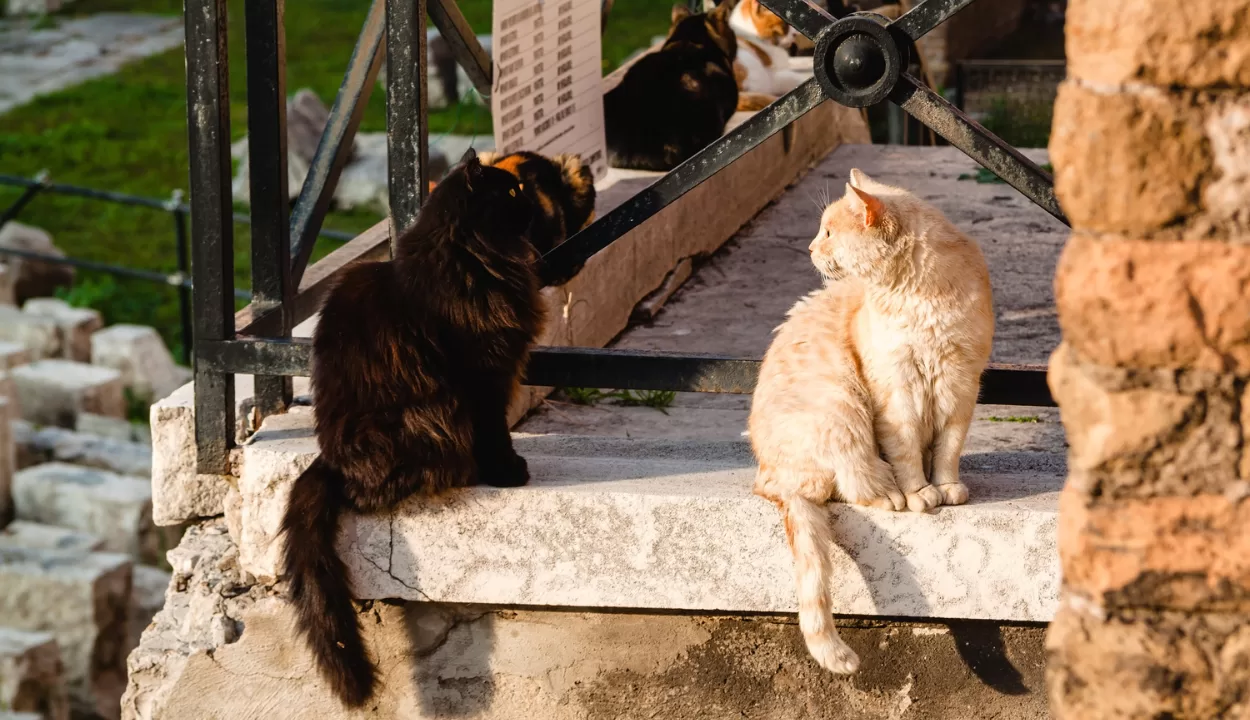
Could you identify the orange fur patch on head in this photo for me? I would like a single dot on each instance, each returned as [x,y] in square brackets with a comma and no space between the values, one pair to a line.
[768,24]
[511,163]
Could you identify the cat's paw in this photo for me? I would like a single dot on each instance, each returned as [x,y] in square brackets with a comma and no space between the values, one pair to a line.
[924,499]
[835,656]
[955,493]
[892,500]
[510,471]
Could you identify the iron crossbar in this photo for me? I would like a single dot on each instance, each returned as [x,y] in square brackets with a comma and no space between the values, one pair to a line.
[860,59]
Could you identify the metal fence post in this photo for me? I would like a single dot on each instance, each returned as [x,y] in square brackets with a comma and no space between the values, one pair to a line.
[406,130]
[212,230]
[266,131]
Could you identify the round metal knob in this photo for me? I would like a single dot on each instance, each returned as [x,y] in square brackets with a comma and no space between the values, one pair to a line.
[857,60]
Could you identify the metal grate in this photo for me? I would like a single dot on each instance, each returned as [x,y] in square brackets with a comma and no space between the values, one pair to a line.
[860,59]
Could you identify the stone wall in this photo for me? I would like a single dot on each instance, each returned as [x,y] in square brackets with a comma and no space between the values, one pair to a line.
[1151,148]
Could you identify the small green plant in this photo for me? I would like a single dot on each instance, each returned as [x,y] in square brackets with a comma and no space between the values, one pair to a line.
[138,407]
[45,22]
[89,292]
[1016,419]
[583,396]
[657,399]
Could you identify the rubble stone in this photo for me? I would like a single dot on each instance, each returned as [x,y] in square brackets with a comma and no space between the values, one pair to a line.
[35,278]
[40,445]
[115,507]
[140,355]
[38,536]
[53,392]
[39,335]
[75,324]
[31,675]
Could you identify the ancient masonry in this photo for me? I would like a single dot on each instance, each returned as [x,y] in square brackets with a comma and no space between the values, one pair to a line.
[79,552]
[1151,147]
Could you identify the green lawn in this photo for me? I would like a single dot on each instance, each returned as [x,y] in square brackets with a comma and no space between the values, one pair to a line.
[127,133]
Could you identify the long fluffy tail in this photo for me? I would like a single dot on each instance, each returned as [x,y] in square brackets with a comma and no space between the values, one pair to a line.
[811,538]
[319,586]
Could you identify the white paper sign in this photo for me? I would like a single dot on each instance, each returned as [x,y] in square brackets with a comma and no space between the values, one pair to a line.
[546,96]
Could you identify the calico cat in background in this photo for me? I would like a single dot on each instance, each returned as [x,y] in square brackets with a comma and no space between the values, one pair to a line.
[764,71]
[885,360]
[415,361]
[675,101]
[561,188]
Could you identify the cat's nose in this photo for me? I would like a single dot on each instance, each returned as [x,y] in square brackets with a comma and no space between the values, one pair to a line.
[812,247]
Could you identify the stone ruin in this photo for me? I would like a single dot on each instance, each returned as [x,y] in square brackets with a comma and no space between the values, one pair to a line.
[81,562]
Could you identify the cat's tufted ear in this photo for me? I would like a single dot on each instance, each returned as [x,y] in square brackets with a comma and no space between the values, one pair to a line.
[680,12]
[867,206]
[859,178]
[472,167]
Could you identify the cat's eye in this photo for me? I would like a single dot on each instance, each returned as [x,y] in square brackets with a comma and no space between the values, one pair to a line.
[521,186]
[512,192]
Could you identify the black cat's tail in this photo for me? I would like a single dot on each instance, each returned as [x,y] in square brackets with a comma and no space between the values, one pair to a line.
[319,585]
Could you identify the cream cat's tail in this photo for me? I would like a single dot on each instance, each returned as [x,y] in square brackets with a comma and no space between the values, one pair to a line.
[811,539]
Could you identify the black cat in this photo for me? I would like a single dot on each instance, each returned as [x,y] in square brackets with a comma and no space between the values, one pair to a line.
[561,188]
[415,361]
[675,101]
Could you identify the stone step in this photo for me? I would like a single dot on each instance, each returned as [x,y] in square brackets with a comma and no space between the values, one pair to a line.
[140,355]
[54,392]
[628,523]
[117,508]
[40,445]
[12,354]
[38,335]
[32,675]
[38,536]
[74,324]
[83,601]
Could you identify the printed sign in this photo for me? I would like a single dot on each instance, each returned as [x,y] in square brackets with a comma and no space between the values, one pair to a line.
[546,96]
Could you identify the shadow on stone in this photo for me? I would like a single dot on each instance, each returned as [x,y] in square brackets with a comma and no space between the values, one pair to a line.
[452,647]
[980,644]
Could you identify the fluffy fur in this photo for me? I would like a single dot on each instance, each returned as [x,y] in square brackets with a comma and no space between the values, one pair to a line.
[415,361]
[675,101]
[885,360]
[561,188]
[763,69]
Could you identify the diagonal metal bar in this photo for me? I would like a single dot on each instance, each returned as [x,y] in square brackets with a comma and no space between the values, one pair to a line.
[1001,384]
[927,15]
[566,259]
[978,143]
[33,189]
[337,139]
[802,15]
[468,51]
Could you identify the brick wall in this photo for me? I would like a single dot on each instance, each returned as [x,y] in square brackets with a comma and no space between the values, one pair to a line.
[1151,147]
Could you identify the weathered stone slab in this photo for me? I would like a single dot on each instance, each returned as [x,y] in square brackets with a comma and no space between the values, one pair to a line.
[112,428]
[53,392]
[115,507]
[146,599]
[234,653]
[38,335]
[8,462]
[140,355]
[657,524]
[75,325]
[82,600]
[31,674]
[13,354]
[53,443]
[38,536]
[34,278]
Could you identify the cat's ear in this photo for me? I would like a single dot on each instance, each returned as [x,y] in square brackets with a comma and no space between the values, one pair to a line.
[867,206]
[859,178]
[680,12]
[720,15]
[472,167]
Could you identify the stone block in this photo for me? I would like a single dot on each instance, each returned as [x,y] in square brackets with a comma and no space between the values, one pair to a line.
[52,443]
[82,600]
[53,392]
[1181,553]
[657,524]
[35,278]
[37,536]
[12,354]
[38,335]
[146,600]
[233,653]
[1156,304]
[1146,433]
[1206,45]
[75,324]
[1146,664]
[111,428]
[115,507]
[8,284]
[31,674]
[8,463]
[140,355]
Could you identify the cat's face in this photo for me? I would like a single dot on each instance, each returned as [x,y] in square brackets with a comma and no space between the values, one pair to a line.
[493,204]
[704,28]
[857,235]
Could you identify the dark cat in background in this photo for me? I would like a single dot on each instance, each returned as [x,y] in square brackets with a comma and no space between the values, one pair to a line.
[415,361]
[561,188]
[675,101]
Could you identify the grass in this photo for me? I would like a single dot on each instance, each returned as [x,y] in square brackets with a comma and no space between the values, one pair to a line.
[657,399]
[127,133]
[1015,419]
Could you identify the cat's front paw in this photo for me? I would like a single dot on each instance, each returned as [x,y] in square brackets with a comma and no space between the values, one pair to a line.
[924,499]
[955,493]
[892,500]
[510,471]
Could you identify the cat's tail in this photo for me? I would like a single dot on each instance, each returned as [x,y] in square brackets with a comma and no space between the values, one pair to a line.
[319,586]
[811,538]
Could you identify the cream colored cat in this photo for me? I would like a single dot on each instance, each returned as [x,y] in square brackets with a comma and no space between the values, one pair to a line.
[884,361]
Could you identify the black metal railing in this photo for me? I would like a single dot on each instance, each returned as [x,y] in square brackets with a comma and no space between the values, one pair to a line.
[860,60]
